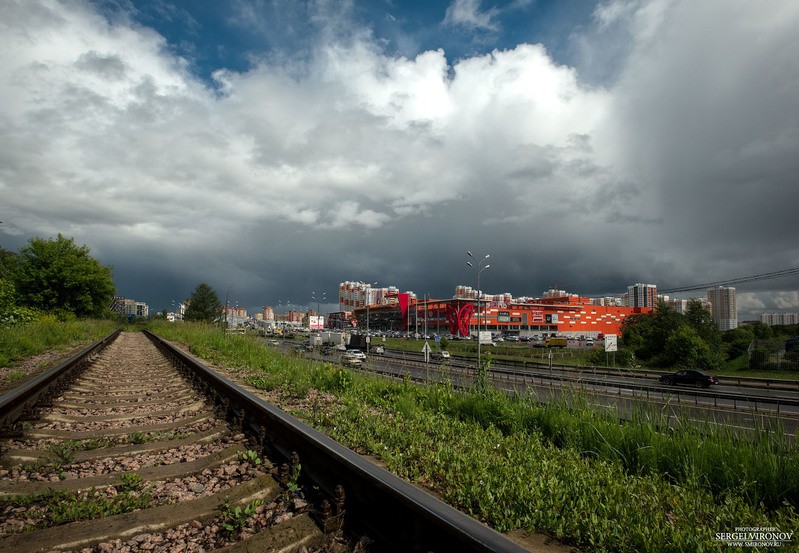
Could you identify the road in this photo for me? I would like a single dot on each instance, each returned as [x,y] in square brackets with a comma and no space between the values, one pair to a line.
[743,404]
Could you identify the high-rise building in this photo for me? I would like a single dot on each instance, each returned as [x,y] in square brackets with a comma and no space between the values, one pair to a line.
[725,309]
[128,307]
[642,295]
[681,305]
[772,319]
[355,295]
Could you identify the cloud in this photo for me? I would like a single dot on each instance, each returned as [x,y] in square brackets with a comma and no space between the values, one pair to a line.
[787,300]
[467,14]
[342,161]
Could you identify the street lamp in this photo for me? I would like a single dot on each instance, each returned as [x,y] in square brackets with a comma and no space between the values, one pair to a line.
[318,299]
[479,268]
[227,305]
[281,303]
[368,304]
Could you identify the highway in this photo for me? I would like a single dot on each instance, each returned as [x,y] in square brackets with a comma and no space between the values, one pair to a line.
[733,402]
[754,404]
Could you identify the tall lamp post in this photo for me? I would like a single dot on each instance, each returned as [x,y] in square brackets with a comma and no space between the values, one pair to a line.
[227,305]
[318,299]
[479,267]
[281,303]
[368,304]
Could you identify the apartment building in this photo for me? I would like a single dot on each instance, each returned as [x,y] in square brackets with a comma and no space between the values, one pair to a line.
[724,307]
[642,295]
[773,319]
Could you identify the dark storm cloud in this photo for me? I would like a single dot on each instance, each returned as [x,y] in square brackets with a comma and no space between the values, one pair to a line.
[346,163]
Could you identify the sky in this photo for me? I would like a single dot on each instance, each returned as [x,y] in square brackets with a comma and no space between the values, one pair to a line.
[274,148]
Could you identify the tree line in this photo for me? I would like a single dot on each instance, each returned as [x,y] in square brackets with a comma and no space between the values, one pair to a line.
[59,277]
[666,338]
[54,276]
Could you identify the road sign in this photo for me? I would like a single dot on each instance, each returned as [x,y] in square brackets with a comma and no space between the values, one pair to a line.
[611,342]
[426,348]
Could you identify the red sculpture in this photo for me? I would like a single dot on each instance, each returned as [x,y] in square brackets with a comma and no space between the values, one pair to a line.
[459,318]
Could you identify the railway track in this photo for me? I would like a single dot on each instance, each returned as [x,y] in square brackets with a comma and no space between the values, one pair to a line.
[134,445]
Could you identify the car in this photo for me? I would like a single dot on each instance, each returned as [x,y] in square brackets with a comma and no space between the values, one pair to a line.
[378,350]
[691,377]
[350,360]
[327,350]
[357,353]
[443,354]
[273,343]
[589,343]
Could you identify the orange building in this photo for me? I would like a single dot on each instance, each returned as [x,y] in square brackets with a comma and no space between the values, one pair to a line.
[568,315]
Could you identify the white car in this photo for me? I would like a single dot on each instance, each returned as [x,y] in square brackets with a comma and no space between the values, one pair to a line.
[351,360]
[357,353]
[443,354]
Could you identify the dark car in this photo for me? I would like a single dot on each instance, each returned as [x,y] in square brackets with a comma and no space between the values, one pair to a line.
[690,377]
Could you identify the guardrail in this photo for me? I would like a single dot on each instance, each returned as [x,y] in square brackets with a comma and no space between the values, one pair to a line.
[770,383]
[758,404]
[738,402]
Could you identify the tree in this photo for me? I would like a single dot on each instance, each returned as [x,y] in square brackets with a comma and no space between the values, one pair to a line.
[737,341]
[665,338]
[7,260]
[646,335]
[7,296]
[762,331]
[61,277]
[701,320]
[204,304]
[685,349]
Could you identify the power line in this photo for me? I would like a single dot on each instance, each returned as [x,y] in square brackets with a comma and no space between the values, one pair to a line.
[740,280]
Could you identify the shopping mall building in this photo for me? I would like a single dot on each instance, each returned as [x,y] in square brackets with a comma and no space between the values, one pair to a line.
[559,313]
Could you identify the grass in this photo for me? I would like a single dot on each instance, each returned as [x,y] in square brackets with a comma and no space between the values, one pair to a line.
[18,342]
[565,469]
[61,507]
[15,376]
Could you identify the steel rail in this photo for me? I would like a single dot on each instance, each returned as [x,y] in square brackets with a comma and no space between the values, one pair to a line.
[22,399]
[399,516]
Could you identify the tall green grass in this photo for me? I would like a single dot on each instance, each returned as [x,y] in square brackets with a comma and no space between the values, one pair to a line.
[46,333]
[760,465]
[567,468]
